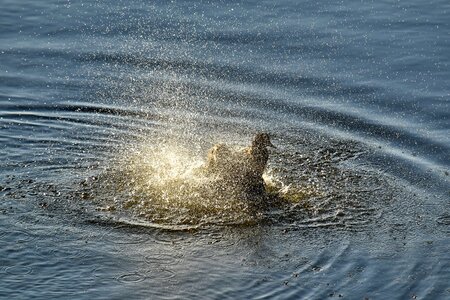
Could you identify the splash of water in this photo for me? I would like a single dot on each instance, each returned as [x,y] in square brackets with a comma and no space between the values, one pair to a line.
[166,184]
[163,184]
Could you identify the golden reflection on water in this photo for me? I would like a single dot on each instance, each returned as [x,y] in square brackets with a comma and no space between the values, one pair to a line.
[165,184]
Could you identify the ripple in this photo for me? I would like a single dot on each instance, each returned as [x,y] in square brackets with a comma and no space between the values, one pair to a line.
[444,222]
[59,252]
[131,278]
[19,270]
[108,272]
[160,274]
[18,236]
[163,237]
[165,259]
[114,237]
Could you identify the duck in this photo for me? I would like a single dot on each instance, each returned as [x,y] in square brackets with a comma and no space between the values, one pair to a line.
[243,168]
[258,154]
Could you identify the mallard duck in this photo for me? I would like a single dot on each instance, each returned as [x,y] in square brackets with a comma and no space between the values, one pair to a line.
[244,167]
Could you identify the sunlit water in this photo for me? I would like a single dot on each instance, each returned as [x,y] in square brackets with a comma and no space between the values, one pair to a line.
[108,108]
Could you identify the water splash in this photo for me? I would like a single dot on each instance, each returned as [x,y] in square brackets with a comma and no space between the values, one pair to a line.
[161,184]
[165,183]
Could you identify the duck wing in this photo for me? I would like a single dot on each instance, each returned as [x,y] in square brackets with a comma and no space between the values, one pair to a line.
[217,156]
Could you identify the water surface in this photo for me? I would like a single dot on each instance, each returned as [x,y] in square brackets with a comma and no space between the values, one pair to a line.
[108,107]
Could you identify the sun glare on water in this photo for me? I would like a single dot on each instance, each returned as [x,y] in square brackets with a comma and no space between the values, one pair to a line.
[166,184]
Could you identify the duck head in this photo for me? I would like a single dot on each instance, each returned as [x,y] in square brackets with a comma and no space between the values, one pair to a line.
[262,140]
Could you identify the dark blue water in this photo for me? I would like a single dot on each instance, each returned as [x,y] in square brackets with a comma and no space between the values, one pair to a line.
[106,108]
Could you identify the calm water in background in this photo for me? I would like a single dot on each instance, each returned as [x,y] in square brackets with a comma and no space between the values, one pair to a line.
[355,94]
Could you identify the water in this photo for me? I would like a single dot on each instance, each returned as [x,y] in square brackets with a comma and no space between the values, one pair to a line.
[108,107]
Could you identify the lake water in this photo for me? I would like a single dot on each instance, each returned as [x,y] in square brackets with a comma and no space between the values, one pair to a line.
[108,107]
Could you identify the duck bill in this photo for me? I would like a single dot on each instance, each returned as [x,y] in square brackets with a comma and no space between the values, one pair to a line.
[271,145]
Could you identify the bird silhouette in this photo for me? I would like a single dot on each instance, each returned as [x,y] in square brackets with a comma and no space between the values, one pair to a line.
[241,168]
